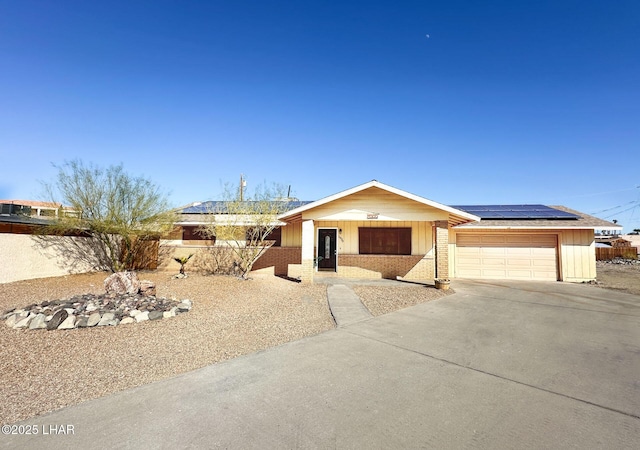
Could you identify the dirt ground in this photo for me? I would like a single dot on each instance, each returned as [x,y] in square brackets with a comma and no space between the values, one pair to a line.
[621,277]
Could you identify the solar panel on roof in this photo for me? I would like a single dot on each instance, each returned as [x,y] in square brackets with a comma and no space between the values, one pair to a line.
[516,212]
[220,207]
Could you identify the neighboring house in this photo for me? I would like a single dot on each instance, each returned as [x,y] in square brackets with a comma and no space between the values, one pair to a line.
[634,241]
[33,208]
[378,231]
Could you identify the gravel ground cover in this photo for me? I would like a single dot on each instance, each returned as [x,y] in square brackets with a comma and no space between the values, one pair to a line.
[385,299]
[623,276]
[41,370]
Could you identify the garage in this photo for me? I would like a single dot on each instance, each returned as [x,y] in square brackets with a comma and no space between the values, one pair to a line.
[507,256]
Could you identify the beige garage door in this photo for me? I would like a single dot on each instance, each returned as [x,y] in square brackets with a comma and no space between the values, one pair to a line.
[507,256]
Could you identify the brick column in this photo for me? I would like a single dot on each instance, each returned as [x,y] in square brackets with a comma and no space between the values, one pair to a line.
[442,248]
[308,240]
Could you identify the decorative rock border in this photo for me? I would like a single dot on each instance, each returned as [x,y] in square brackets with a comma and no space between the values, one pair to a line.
[91,310]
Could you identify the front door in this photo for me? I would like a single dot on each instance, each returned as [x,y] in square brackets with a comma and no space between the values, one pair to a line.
[327,249]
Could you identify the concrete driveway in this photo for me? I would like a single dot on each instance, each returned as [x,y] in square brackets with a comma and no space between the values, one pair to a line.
[496,365]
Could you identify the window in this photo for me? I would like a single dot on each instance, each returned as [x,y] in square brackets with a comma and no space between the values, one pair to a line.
[385,241]
[192,233]
[274,235]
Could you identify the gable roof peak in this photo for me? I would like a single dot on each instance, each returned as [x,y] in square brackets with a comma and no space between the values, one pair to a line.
[385,187]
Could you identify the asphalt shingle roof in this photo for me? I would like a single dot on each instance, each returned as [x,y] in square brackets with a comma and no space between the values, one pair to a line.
[584,221]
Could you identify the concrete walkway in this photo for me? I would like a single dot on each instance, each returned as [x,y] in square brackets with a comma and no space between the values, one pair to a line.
[345,305]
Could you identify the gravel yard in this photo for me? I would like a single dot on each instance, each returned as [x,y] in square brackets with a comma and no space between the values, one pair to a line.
[41,370]
[45,370]
[622,277]
[385,299]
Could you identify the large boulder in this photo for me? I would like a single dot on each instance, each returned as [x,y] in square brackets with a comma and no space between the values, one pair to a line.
[122,283]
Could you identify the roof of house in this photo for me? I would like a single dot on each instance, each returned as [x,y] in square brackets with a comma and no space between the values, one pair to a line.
[583,221]
[5,218]
[222,207]
[32,203]
[528,211]
[371,184]
[469,216]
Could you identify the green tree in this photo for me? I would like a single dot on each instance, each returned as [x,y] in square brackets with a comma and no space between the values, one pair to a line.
[241,225]
[119,212]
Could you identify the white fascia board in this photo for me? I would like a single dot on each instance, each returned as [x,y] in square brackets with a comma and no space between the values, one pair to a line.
[384,187]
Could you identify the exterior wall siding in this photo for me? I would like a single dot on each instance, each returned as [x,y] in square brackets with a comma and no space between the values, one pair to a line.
[577,255]
[421,234]
[292,235]
[452,253]
[387,205]
[418,266]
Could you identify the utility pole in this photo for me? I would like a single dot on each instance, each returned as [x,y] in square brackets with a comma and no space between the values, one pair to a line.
[243,184]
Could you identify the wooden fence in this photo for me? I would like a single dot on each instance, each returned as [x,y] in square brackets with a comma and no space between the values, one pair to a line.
[603,253]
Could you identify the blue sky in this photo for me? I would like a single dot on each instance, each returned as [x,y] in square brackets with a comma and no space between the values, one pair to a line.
[461,102]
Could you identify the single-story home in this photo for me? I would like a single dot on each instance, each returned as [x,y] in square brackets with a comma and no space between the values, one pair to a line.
[377,231]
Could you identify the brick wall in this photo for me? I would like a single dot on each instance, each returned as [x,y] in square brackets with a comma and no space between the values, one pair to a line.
[389,266]
[423,270]
[442,249]
[279,258]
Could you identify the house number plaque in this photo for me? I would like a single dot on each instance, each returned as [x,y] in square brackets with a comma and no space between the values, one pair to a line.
[372,216]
